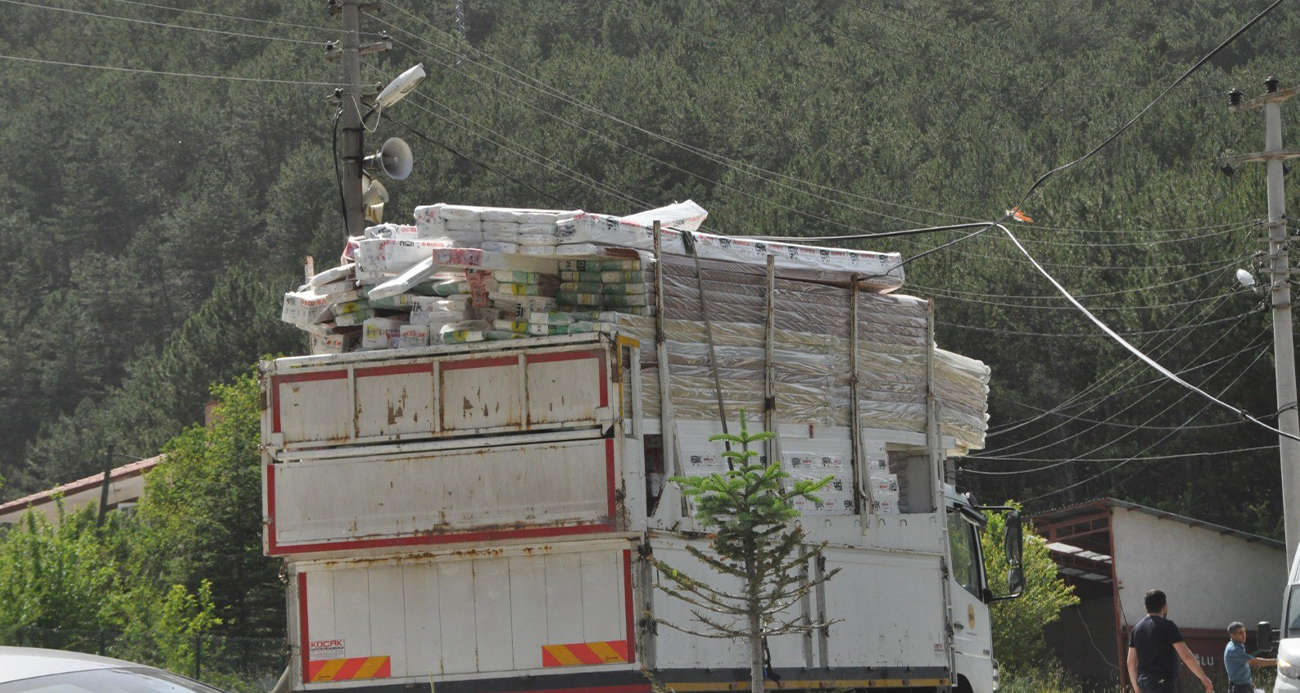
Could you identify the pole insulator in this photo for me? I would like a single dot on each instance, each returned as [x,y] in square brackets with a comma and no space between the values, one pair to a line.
[1271,84]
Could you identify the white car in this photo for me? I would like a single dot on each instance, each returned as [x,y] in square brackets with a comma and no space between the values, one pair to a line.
[33,670]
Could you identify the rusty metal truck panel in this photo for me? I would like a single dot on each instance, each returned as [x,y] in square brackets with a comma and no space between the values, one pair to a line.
[346,400]
[481,493]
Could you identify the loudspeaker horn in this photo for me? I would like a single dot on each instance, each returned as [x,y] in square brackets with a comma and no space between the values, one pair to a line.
[394,159]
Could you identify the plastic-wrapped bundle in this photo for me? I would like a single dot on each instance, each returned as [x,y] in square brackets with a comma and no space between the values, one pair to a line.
[428,310]
[381,333]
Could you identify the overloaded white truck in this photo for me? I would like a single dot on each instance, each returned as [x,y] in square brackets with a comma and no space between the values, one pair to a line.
[475,518]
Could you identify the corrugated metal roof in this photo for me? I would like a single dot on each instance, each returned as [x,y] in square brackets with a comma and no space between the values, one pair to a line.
[1065,513]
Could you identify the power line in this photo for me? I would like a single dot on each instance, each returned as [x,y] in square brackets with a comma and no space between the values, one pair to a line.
[1045,227]
[1159,383]
[1138,353]
[1124,128]
[1089,335]
[1116,424]
[1163,346]
[1056,297]
[466,157]
[1167,344]
[1109,443]
[716,158]
[1138,456]
[1148,242]
[238,18]
[1037,184]
[1153,306]
[743,167]
[545,162]
[1122,459]
[164,25]
[114,68]
[1090,404]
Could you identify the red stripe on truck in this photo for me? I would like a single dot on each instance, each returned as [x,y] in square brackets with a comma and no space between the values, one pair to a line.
[393,370]
[627,598]
[422,540]
[304,642]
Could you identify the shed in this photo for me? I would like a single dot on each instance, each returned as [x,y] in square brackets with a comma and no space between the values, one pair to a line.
[1113,551]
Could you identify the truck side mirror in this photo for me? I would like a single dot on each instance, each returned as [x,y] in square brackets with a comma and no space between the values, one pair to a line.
[1264,637]
[1014,540]
[1013,537]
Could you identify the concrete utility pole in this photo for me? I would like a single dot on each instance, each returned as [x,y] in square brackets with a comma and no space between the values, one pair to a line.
[1280,271]
[353,134]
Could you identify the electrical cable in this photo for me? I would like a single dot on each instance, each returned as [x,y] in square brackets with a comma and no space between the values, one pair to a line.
[1166,437]
[1007,449]
[744,167]
[1037,184]
[1163,346]
[1124,128]
[1083,457]
[909,232]
[547,163]
[1116,424]
[1153,306]
[1138,353]
[1147,242]
[1092,335]
[238,18]
[1046,227]
[1089,405]
[113,68]
[159,24]
[1057,297]
[1173,456]
[466,157]
[338,173]
[717,184]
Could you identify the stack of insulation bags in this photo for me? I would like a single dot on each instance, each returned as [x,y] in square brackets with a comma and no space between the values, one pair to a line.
[464,274]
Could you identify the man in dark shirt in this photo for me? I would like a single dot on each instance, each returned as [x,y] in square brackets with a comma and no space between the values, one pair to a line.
[1154,648]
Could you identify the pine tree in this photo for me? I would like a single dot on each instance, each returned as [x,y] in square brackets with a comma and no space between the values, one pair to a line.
[756,543]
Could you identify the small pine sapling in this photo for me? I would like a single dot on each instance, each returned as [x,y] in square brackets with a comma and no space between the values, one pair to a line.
[756,543]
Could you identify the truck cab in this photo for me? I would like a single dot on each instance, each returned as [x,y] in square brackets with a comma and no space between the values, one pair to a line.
[970,592]
[1288,646]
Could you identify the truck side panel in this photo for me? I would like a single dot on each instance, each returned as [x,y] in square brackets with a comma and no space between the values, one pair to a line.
[881,605]
[370,402]
[886,609]
[540,609]
[497,492]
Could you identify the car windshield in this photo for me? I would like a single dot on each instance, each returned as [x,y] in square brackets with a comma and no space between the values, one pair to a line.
[124,680]
[1293,613]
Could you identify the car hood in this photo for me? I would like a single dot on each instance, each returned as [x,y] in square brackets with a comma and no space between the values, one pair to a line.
[17,663]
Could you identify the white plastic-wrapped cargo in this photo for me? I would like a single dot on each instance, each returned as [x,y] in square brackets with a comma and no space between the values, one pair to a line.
[476,514]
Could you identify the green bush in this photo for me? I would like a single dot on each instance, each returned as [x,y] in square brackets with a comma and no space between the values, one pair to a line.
[1018,623]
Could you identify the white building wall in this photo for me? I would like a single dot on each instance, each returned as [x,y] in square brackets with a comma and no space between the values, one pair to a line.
[1210,579]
